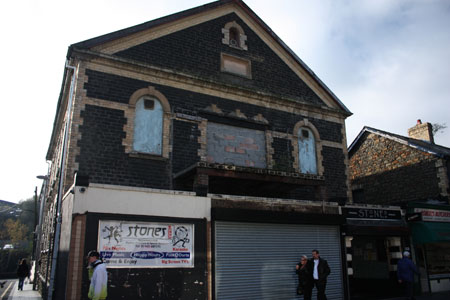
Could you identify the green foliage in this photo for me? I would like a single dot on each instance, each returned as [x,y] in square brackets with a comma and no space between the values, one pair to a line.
[17,231]
[17,224]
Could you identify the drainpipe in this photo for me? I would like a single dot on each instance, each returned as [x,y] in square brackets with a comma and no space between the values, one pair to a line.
[61,185]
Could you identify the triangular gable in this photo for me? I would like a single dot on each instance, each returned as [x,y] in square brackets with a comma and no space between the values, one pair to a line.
[426,147]
[275,67]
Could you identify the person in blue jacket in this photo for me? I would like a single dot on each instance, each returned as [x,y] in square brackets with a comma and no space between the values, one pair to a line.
[405,274]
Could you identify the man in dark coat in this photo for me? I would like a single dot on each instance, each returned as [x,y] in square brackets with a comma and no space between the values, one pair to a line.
[23,271]
[319,270]
[405,274]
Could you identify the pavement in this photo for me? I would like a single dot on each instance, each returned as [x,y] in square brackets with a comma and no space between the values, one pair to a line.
[434,296]
[29,294]
[26,294]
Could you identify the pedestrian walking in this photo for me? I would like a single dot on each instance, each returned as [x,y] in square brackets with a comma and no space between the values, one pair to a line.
[319,270]
[304,278]
[98,277]
[405,274]
[23,271]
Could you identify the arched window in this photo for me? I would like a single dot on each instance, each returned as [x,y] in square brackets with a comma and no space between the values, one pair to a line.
[234,36]
[148,126]
[307,151]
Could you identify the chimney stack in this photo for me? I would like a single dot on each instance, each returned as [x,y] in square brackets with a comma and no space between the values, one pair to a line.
[422,132]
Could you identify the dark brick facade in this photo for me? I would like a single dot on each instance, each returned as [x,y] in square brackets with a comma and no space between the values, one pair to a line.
[102,156]
[185,145]
[335,175]
[282,156]
[117,168]
[199,105]
[401,185]
[119,89]
[196,50]
[384,171]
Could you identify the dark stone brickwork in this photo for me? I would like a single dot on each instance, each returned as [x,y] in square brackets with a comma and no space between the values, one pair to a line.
[282,156]
[185,145]
[417,182]
[334,172]
[119,89]
[303,193]
[102,156]
[115,167]
[391,173]
[196,50]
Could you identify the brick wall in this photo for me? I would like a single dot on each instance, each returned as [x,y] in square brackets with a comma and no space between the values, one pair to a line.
[102,132]
[236,145]
[389,172]
[282,156]
[185,145]
[119,89]
[196,50]
[335,173]
[102,156]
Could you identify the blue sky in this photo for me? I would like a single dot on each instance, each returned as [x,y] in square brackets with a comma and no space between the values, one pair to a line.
[387,61]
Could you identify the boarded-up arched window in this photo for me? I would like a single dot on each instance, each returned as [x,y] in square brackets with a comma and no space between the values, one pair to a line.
[307,151]
[148,126]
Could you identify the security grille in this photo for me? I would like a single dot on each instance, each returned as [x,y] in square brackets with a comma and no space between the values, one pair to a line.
[257,261]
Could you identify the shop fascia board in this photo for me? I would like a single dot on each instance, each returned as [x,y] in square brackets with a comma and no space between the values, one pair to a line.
[103,198]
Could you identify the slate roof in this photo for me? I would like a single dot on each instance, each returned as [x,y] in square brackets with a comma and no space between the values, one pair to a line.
[437,150]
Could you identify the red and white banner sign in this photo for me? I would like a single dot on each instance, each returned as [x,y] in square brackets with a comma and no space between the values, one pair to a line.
[434,215]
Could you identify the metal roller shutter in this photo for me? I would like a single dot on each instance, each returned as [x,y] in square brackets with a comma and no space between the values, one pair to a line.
[257,261]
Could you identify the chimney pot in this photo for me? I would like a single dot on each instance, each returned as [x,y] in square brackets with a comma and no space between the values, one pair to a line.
[422,132]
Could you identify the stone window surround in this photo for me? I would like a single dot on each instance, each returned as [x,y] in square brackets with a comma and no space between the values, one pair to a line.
[244,62]
[129,129]
[294,138]
[269,139]
[242,37]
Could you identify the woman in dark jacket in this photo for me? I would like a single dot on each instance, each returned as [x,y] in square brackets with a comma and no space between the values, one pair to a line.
[304,278]
[23,271]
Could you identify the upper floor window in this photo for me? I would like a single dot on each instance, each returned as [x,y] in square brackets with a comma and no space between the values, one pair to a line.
[148,126]
[234,36]
[307,151]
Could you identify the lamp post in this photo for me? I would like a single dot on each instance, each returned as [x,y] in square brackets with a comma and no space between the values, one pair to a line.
[33,254]
[38,227]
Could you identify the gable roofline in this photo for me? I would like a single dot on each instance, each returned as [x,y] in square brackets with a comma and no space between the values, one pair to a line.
[189,12]
[436,150]
[144,26]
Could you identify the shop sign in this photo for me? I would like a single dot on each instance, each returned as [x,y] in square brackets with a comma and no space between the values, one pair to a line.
[433,215]
[371,213]
[414,217]
[124,244]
